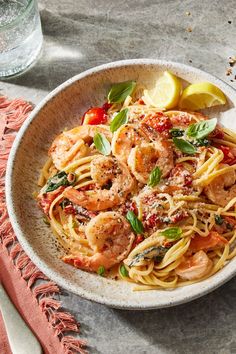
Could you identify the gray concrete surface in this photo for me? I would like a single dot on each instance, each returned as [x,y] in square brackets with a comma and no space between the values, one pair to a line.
[81,34]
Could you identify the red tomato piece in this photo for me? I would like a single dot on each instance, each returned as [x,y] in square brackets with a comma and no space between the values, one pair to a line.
[140,101]
[180,176]
[180,215]
[217,133]
[133,207]
[69,209]
[229,157]
[94,116]
[138,239]
[106,106]
[152,221]
[159,122]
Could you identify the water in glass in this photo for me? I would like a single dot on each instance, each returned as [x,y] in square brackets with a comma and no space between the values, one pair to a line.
[20,35]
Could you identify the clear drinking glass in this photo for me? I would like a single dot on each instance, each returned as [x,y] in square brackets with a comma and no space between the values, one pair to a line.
[20,35]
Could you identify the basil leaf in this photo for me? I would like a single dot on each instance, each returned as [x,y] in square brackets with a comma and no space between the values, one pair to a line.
[202,129]
[59,179]
[120,91]
[175,132]
[156,253]
[102,144]
[101,270]
[219,220]
[155,177]
[201,142]
[173,233]
[184,146]
[135,223]
[123,271]
[120,119]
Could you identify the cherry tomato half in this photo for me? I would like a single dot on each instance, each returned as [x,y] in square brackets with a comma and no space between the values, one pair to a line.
[159,122]
[96,115]
[229,156]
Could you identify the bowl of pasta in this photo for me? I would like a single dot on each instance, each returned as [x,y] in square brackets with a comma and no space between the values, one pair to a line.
[121,185]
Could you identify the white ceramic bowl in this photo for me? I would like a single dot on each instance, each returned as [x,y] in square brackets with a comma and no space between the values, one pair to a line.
[62,108]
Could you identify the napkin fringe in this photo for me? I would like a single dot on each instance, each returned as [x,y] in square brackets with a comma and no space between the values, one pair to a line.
[12,114]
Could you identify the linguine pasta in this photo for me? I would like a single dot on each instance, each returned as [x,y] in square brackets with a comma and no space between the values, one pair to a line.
[149,190]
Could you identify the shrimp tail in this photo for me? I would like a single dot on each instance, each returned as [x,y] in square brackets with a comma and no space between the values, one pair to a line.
[90,264]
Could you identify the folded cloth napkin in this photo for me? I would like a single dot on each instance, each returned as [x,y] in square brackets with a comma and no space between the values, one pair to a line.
[35,300]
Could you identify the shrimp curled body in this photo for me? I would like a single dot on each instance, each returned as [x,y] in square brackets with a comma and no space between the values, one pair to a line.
[143,159]
[74,144]
[105,171]
[125,138]
[222,189]
[110,237]
[194,267]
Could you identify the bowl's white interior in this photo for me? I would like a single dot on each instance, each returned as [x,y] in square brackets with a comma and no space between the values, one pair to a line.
[63,108]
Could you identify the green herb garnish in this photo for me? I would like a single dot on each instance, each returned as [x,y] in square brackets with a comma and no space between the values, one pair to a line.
[120,91]
[102,144]
[173,233]
[120,119]
[201,142]
[184,146]
[202,129]
[219,220]
[59,179]
[123,271]
[154,177]
[135,223]
[175,132]
[101,271]
[156,253]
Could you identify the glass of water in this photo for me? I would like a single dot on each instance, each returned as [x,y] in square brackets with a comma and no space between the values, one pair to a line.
[20,35]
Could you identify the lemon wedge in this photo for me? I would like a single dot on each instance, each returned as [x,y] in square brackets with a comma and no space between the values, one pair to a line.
[166,92]
[201,95]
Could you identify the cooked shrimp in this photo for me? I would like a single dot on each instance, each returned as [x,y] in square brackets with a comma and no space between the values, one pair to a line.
[110,237]
[126,138]
[143,159]
[222,189]
[213,241]
[64,150]
[107,172]
[72,144]
[194,267]
[87,132]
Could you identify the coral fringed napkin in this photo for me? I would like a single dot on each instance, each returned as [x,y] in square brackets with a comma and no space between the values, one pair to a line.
[36,301]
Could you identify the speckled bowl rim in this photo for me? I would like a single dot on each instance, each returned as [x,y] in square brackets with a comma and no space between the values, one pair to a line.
[219,279]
